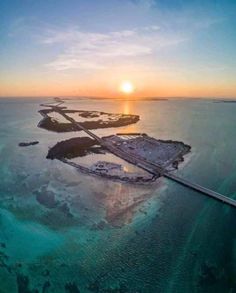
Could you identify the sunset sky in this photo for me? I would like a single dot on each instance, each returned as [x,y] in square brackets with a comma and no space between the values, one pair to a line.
[89,47]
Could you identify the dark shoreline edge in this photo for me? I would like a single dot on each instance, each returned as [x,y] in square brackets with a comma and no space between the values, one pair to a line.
[71,148]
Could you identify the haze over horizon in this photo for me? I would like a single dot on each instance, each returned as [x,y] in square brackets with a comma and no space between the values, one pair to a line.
[167,48]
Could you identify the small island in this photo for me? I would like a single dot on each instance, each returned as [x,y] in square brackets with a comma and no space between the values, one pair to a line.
[25,144]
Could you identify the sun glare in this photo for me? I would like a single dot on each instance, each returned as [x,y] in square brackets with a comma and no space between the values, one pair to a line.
[127,87]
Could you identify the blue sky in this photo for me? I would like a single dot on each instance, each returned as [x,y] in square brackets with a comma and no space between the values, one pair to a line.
[179,48]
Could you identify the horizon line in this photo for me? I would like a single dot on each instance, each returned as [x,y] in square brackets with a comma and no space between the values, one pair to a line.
[122,98]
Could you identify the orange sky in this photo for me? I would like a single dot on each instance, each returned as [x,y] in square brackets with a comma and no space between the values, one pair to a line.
[84,49]
[105,86]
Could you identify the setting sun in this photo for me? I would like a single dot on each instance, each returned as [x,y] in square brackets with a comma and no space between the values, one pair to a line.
[127,87]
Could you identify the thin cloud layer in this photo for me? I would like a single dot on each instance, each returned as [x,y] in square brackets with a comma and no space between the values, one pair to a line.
[87,50]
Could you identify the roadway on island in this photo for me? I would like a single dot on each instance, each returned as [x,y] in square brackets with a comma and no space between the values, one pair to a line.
[150,167]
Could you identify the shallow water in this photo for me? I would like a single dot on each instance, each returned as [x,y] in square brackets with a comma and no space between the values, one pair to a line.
[107,235]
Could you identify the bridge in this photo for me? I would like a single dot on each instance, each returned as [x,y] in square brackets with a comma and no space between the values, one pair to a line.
[199,188]
[153,168]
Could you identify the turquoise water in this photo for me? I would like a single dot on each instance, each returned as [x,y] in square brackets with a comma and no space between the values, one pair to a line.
[104,236]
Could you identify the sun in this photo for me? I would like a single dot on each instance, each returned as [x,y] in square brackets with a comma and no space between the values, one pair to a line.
[127,87]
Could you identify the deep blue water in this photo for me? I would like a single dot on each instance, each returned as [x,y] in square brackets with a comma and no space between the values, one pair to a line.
[175,240]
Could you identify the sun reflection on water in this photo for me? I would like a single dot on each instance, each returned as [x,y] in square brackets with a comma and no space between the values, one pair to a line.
[126,107]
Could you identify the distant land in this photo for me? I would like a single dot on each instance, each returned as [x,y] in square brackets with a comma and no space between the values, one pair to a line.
[225,101]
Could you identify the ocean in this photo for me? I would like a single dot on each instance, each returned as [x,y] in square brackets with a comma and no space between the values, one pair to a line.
[106,236]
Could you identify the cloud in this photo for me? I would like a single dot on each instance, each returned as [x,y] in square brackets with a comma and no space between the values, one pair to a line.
[88,50]
[152,28]
[144,4]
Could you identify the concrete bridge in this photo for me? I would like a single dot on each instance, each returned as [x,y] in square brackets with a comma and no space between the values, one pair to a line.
[201,189]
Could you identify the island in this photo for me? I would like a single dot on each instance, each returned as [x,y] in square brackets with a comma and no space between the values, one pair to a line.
[133,148]
[88,119]
[25,144]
